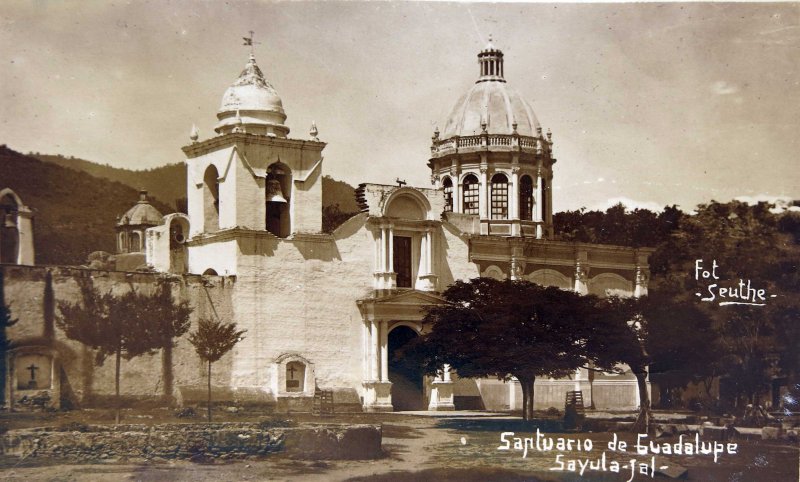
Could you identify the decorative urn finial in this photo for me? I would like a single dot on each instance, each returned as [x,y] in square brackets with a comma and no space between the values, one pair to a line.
[549,136]
[436,133]
[314,132]
[194,134]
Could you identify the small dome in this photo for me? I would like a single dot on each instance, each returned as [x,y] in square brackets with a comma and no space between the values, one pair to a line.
[141,214]
[497,105]
[252,105]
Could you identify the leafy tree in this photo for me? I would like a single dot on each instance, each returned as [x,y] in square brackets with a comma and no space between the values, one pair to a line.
[507,328]
[124,326]
[211,341]
[674,338]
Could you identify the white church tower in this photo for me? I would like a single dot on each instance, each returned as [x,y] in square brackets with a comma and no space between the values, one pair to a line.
[251,178]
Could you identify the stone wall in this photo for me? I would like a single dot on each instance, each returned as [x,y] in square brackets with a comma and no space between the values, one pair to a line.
[193,441]
[33,294]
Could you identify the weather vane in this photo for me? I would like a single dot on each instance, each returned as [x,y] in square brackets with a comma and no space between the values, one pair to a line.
[248,41]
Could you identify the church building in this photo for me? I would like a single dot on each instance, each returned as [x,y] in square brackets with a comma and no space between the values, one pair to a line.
[330,310]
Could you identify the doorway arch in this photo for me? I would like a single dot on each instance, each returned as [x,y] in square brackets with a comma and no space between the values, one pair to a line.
[408,380]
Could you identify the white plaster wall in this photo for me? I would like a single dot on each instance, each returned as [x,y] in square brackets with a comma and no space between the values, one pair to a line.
[300,296]
[220,256]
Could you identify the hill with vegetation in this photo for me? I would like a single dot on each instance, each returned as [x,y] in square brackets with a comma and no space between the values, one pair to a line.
[74,212]
[167,183]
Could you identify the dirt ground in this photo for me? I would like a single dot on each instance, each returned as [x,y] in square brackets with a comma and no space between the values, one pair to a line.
[459,446]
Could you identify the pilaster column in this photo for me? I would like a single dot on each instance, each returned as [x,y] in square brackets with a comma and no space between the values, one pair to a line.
[483,194]
[513,192]
[374,351]
[538,215]
[384,336]
[382,268]
[457,207]
[429,251]
[390,260]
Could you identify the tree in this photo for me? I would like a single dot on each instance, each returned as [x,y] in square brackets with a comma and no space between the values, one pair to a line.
[211,341]
[123,326]
[673,337]
[507,328]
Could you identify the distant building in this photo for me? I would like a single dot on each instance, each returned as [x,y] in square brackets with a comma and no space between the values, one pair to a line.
[330,310]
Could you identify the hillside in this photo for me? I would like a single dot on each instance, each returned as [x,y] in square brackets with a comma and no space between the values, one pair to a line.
[74,212]
[168,183]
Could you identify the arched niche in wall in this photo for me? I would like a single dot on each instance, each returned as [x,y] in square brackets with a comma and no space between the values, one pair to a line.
[610,284]
[407,203]
[294,375]
[550,277]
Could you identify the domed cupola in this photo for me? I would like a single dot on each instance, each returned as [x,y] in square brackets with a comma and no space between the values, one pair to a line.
[252,105]
[492,160]
[132,225]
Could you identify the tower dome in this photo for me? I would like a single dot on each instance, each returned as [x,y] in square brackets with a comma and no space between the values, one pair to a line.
[491,102]
[141,214]
[252,105]
[492,161]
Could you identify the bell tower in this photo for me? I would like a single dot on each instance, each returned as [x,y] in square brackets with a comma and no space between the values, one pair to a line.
[251,179]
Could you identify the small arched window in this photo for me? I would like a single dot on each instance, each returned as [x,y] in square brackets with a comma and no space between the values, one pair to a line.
[447,184]
[136,242]
[470,194]
[526,198]
[499,197]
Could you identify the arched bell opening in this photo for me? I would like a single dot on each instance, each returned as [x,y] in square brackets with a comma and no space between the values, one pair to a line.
[278,195]
[9,232]
[211,199]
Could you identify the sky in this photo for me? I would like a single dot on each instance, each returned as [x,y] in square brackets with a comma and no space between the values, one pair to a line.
[649,104]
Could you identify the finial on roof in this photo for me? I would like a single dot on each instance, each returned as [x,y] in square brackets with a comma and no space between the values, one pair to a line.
[314,132]
[194,134]
[514,125]
[143,196]
[549,135]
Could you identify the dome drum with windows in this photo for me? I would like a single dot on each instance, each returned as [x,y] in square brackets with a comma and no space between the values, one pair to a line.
[492,159]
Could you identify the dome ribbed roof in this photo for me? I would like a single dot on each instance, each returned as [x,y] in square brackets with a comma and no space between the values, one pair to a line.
[497,105]
[251,91]
[141,214]
[492,102]
[252,105]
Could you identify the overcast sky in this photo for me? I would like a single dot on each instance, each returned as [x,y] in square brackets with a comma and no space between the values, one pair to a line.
[660,104]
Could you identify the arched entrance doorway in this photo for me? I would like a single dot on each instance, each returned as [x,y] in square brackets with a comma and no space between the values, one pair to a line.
[407,378]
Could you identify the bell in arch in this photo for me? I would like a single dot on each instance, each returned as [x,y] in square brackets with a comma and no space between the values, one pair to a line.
[10,221]
[274,192]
